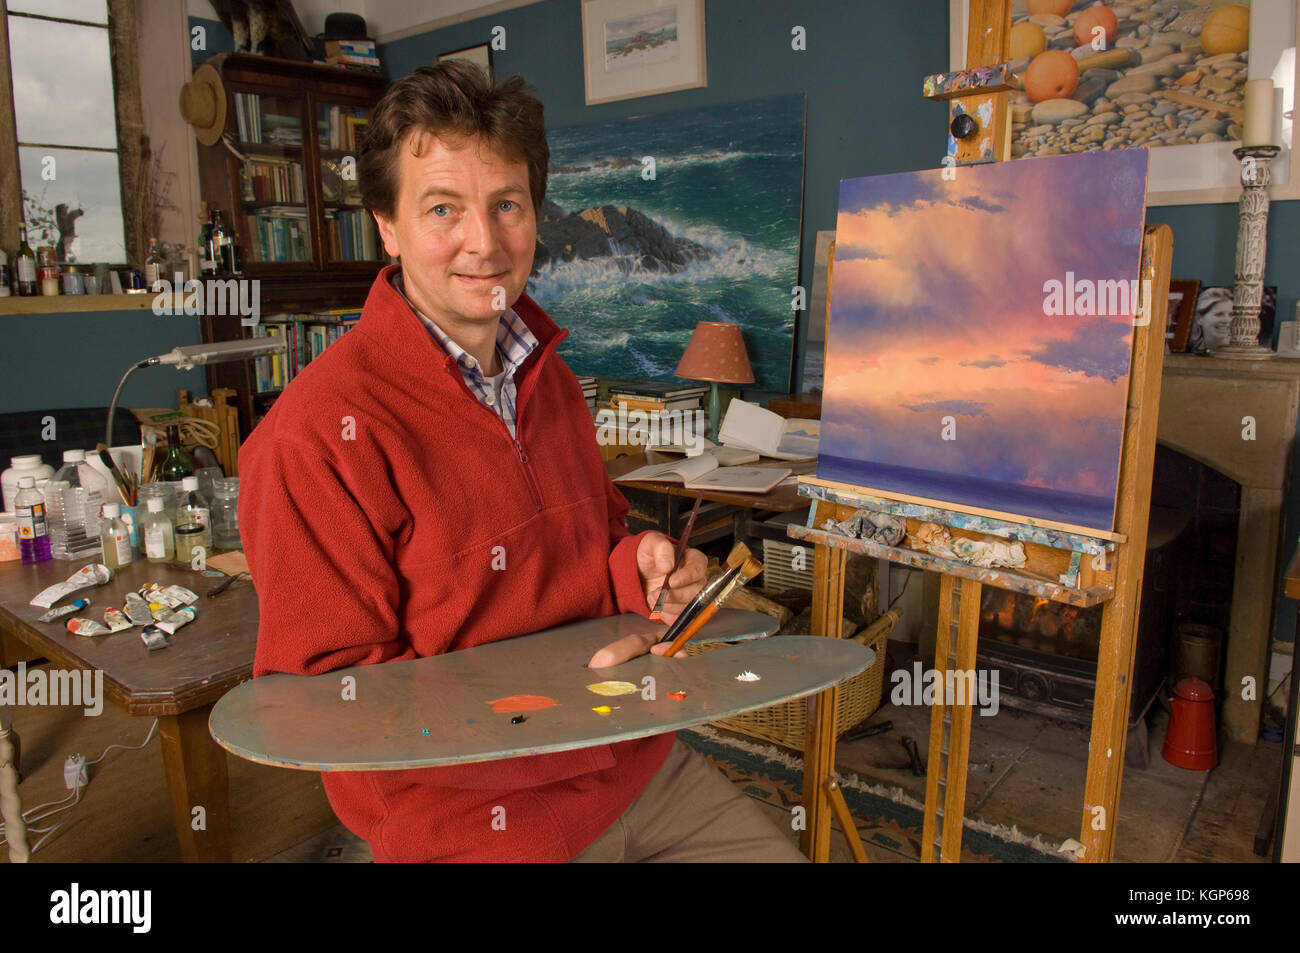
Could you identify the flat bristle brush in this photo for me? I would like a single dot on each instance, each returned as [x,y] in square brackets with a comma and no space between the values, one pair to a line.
[735,559]
[750,569]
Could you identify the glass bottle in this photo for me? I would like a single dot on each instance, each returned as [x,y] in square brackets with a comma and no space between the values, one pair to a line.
[25,265]
[156,533]
[225,513]
[219,242]
[177,466]
[207,260]
[153,264]
[193,523]
[115,538]
[33,533]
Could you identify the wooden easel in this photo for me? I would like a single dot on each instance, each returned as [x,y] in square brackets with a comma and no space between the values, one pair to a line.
[1092,568]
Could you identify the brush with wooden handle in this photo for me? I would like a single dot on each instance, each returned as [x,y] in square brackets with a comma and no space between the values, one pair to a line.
[657,613]
[735,559]
[737,577]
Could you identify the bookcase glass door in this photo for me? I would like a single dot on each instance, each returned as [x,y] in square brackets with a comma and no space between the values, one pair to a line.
[350,232]
[273,192]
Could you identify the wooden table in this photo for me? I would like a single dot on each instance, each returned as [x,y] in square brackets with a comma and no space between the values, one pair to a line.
[659,505]
[179,685]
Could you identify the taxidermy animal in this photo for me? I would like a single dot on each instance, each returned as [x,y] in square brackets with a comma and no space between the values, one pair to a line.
[66,220]
[268,27]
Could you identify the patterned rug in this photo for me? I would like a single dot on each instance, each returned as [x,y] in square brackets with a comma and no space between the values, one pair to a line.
[886,817]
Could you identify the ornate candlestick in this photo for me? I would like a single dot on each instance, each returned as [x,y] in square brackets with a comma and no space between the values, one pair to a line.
[1252,232]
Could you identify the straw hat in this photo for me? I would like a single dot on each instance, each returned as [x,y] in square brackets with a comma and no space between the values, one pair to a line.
[203,105]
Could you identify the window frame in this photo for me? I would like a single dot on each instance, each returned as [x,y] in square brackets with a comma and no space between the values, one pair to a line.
[134,183]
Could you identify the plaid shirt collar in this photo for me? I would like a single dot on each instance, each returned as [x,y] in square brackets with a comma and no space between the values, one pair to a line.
[514,343]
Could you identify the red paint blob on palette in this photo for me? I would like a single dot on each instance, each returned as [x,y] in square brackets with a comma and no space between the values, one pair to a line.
[522,703]
[677,696]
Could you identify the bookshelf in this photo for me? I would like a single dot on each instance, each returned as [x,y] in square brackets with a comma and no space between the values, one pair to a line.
[283,177]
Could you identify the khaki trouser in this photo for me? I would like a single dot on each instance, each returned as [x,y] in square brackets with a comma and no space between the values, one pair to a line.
[690,812]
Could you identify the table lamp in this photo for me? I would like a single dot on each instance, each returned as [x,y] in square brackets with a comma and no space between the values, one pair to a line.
[716,353]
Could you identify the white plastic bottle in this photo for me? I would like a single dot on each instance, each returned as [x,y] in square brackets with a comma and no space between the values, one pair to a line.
[26,465]
[72,501]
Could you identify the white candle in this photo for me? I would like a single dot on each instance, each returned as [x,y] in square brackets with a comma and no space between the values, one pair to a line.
[1258,130]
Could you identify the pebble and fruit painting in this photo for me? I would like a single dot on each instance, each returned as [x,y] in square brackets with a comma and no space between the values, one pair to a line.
[1171,73]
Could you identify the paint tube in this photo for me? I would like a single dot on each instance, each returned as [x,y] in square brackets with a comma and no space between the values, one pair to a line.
[153,638]
[115,620]
[137,610]
[96,574]
[174,620]
[60,612]
[80,626]
[167,597]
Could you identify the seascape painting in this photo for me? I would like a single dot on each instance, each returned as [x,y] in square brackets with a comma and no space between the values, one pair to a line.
[652,224]
[641,40]
[980,335]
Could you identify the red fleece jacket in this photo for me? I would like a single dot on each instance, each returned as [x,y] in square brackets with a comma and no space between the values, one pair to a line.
[372,498]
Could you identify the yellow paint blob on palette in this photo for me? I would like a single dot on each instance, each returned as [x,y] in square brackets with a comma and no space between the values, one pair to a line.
[612,688]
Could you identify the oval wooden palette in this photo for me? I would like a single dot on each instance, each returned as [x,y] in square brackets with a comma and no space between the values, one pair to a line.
[437,711]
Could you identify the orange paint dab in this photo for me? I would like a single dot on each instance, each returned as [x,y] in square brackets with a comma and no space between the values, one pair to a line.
[677,696]
[522,703]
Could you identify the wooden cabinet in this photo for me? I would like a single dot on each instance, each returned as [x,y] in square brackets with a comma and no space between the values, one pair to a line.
[283,177]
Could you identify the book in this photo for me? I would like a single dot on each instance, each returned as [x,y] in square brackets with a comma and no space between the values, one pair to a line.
[752,427]
[652,390]
[705,473]
[726,456]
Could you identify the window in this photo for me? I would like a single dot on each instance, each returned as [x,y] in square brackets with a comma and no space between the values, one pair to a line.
[62,71]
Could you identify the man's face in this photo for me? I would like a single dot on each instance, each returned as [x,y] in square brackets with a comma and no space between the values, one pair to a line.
[465,229]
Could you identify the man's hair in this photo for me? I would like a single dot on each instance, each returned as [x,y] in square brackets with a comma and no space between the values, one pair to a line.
[455,100]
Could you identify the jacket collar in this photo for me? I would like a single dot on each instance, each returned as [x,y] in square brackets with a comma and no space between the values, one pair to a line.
[388,317]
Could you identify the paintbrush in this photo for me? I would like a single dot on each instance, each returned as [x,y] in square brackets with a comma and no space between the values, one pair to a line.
[738,577]
[657,614]
[107,460]
[735,559]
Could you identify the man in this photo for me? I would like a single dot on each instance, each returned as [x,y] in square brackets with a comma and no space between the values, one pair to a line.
[432,483]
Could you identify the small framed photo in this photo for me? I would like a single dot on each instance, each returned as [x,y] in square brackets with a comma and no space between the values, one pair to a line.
[634,48]
[480,56]
[1212,326]
[1182,309]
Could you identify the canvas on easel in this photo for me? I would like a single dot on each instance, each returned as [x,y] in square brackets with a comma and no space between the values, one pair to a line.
[981,327]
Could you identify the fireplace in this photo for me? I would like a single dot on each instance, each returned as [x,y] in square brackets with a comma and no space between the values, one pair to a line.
[1045,652]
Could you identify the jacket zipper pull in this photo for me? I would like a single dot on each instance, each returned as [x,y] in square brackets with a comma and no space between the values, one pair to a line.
[523,457]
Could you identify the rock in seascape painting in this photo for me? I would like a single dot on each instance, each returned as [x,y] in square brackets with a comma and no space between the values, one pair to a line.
[980,334]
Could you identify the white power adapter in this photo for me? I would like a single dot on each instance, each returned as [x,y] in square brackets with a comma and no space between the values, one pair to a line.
[74,772]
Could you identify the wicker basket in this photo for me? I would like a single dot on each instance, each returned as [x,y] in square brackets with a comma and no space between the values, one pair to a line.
[787,723]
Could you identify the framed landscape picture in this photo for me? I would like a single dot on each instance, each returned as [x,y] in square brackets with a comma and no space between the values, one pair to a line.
[480,56]
[636,48]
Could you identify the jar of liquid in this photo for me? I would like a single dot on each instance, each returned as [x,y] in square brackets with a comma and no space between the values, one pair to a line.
[225,513]
[115,541]
[47,270]
[193,523]
[156,532]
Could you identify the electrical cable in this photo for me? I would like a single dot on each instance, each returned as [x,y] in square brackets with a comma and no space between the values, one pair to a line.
[75,797]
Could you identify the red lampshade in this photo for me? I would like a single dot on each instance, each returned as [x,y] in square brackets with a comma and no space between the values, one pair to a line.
[716,352]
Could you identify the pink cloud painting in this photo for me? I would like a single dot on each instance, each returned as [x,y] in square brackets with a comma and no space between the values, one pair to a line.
[980,334]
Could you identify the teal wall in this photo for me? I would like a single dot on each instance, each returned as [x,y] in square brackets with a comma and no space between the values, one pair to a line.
[53,361]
